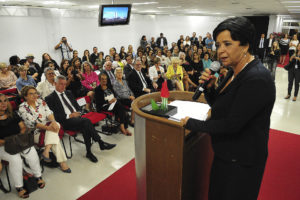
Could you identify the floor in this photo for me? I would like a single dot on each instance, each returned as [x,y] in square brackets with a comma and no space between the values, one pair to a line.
[85,174]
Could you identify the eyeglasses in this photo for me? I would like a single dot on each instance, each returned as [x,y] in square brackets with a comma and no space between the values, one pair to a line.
[31,94]
[51,73]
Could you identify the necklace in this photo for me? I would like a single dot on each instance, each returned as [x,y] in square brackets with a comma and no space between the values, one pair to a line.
[251,58]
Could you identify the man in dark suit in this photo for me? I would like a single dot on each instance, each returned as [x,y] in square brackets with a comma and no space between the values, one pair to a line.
[65,109]
[269,43]
[94,55]
[110,74]
[128,67]
[138,83]
[161,41]
[261,47]
[194,39]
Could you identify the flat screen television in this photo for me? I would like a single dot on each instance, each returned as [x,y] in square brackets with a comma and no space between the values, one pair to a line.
[115,14]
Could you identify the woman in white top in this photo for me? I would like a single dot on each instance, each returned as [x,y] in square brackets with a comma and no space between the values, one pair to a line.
[284,46]
[37,115]
[47,86]
[157,74]
[293,45]
[187,41]
[161,57]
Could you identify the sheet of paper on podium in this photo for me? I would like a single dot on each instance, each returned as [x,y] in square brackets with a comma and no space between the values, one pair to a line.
[191,109]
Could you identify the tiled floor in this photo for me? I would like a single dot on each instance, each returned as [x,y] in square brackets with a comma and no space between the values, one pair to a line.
[85,175]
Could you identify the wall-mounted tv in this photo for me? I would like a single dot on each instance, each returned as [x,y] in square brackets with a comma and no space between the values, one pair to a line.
[115,14]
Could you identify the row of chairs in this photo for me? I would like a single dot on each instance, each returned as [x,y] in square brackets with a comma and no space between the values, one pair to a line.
[95,118]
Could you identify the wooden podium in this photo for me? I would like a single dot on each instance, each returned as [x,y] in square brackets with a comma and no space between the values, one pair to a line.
[171,163]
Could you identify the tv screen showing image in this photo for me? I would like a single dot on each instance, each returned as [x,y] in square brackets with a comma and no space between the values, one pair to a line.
[114,14]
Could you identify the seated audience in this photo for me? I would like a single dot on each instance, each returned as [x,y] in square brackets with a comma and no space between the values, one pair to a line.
[162,58]
[24,79]
[157,75]
[138,83]
[11,124]
[175,52]
[47,86]
[63,67]
[175,74]
[91,80]
[99,62]
[117,62]
[7,78]
[74,79]
[111,79]
[75,55]
[112,52]
[34,69]
[51,65]
[130,51]
[128,67]
[187,41]
[86,56]
[153,43]
[145,66]
[66,112]
[188,73]
[122,53]
[104,97]
[168,58]
[14,64]
[93,56]
[37,115]
[77,64]
[206,61]
[123,92]
[47,58]
[197,66]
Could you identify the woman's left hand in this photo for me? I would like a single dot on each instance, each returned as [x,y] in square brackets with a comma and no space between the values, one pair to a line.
[184,120]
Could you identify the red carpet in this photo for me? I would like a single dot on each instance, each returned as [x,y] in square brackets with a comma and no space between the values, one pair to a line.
[281,179]
[286,61]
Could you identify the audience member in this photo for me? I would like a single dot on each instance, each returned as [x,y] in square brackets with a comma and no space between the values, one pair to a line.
[194,39]
[180,41]
[161,41]
[143,42]
[51,65]
[206,61]
[187,41]
[118,62]
[273,55]
[157,75]
[47,58]
[175,52]
[270,43]
[110,74]
[94,56]
[11,124]
[139,84]
[175,74]
[65,48]
[75,55]
[90,80]
[104,98]
[123,92]
[153,43]
[14,64]
[130,51]
[7,78]
[86,56]
[47,86]
[122,53]
[188,73]
[209,42]
[145,66]
[293,45]
[34,69]
[168,58]
[261,47]
[284,47]
[129,67]
[77,64]
[99,62]
[74,79]
[63,67]
[24,79]
[37,115]
[66,112]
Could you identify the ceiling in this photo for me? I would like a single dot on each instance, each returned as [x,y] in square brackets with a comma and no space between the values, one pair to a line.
[177,7]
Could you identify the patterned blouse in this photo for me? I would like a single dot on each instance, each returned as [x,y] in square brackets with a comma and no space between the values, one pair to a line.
[6,81]
[122,91]
[33,116]
[90,80]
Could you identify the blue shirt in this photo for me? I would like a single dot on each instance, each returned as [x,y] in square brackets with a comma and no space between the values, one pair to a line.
[207,41]
[206,63]
[21,82]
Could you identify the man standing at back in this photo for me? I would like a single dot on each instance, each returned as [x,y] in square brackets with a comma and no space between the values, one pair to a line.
[65,109]
[65,48]
[161,41]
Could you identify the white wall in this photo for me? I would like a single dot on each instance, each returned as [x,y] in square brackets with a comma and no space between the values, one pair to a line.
[38,31]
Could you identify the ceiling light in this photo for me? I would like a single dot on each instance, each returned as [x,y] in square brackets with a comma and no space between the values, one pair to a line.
[167,7]
[290,2]
[293,9]
[145,3]
[292,6]
[93,6]
[56,3]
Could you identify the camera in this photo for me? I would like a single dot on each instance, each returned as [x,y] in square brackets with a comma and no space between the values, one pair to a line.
[74,72]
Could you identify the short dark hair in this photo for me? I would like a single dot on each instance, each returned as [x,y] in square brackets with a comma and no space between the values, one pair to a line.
[13,60]
[240,28]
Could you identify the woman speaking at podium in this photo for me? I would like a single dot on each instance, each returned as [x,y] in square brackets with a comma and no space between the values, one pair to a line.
[241,107]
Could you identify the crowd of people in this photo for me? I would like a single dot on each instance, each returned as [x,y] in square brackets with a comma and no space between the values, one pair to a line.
[112,82]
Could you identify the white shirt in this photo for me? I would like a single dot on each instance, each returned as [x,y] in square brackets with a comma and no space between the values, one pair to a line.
[66,109]
[295,42]
[142,78]
[161,42]
[45,88]
[153,72]
[261,43]
[43,78]
[66,53]
[270,42]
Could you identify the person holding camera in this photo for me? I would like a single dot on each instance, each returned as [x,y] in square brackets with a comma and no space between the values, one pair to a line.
[65,48]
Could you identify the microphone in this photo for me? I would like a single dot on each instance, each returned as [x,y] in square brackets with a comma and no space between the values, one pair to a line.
[214,67]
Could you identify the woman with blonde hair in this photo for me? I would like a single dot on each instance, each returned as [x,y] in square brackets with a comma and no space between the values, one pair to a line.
[8,79]
[175,73]
[273,58]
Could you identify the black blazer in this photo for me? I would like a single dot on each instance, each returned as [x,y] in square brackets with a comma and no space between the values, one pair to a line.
[240,116]
[99,99]
[56,106]
[109,85]
[267,45]
[165,42]
[127,71]
[136,85]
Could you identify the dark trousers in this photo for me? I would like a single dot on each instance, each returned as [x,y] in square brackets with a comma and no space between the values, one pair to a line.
[291,52]
[294,77]
[86,127]
[272,64]
[231,181]
[120,113]
[261,53]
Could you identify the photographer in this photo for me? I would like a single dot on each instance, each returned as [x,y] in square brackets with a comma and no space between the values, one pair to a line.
[65,48]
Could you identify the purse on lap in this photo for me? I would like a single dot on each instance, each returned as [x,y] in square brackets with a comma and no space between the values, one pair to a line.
[17,143]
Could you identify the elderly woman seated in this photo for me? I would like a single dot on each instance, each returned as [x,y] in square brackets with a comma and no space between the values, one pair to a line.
[91,80]
[24,79]
[47,86]
[37,115]
[51,65]
[104,98]
[123,92]
[11,124]
[175,73]
[7,78]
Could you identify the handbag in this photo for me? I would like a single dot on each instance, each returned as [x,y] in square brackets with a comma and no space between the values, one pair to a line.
[30,183]
[17,143]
